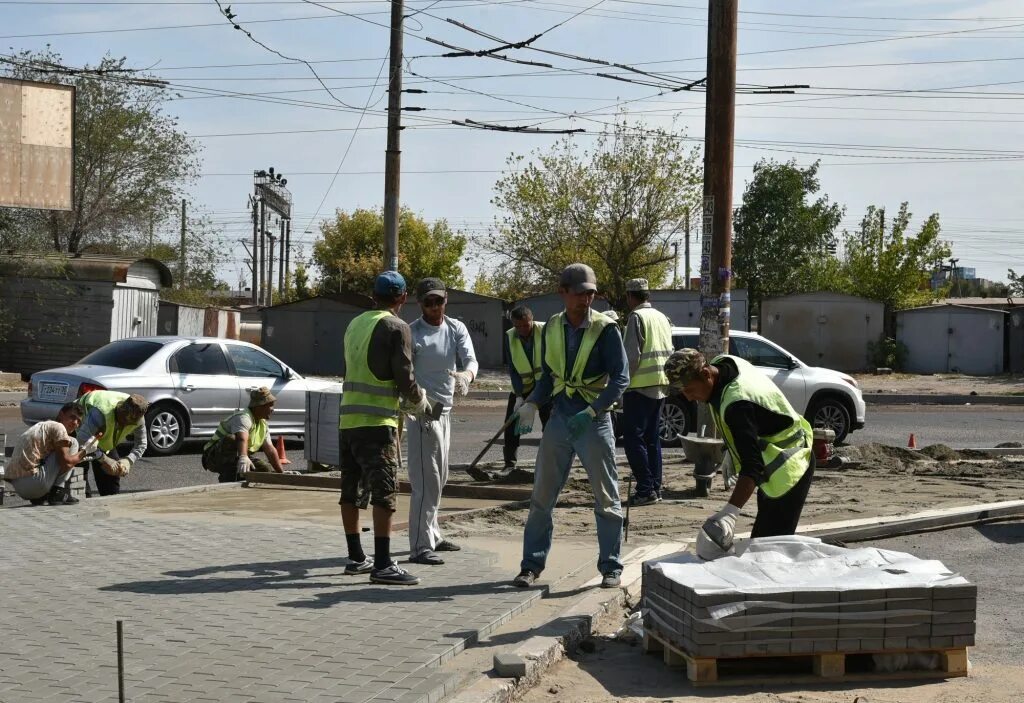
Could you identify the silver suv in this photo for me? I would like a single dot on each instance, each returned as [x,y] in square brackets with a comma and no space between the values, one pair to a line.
[826,398]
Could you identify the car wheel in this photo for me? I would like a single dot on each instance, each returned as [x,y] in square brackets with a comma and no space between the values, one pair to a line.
[675,421]
[167,430]
[830,413]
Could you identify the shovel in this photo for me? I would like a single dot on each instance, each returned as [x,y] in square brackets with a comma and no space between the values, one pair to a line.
[480,474]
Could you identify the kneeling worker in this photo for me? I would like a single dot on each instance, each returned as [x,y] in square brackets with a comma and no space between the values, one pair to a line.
[239,437]
[769,441]
[43,457]
[116,415]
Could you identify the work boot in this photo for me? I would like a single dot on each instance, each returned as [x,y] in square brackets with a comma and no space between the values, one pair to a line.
[611,580]
[393,575]
[59,495]
[525,579]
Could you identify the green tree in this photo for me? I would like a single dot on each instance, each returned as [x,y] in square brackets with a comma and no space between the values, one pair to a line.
[351,250]
[1016,284]
[131,158]
[617,207]
[509,283]
[782,240]
[885,263]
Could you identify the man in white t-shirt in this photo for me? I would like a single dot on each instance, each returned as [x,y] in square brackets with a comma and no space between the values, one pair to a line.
[43,457]
[445,364]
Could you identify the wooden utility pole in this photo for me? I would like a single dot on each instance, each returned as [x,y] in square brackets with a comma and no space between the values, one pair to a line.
[287,250]
[393,155]
[270,273]
[686,225]
[255,250]
[716,234]
[181,267]
[262,255]
[280,262]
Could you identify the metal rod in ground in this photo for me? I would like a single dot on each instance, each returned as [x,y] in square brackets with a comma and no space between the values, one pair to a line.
[120,661]
[625,523]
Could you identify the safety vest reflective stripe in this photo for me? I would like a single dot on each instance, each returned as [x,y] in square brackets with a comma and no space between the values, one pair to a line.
[787,454]
[366,401]
[554,355]
[529,370]
[106,402]
[656,350]
[257,434]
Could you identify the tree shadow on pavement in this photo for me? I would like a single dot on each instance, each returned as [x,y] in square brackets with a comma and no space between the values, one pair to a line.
[400,594]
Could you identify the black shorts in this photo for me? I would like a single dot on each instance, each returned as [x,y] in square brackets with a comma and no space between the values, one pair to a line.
[369,466]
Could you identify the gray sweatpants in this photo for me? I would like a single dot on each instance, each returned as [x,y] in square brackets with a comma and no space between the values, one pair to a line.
[49,474]
[428,472]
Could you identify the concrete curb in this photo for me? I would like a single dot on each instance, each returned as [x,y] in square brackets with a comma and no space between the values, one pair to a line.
[145,495]
[940,399]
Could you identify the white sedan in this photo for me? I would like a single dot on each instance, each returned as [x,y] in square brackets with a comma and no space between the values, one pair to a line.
[191,383]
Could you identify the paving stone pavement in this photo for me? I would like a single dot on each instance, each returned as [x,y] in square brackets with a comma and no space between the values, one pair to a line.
[227,613]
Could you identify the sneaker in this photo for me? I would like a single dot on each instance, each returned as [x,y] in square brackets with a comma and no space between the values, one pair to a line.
[447,546]
[37,501]
[612,579]
[394,575]
[525,579]
[427,557]
[354,568]
[647,499]
[60,496]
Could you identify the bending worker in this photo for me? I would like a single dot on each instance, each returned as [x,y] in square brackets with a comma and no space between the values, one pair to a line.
[584,373]
[379,382]
[43,457]
[523,342]
[445,365]
[648,345]
[232,449]
[769,441]
[117,415]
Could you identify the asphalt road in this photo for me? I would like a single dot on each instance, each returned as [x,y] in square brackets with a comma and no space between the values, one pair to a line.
[476,421]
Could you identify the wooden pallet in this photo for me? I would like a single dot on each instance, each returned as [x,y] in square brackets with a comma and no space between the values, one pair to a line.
[785,669]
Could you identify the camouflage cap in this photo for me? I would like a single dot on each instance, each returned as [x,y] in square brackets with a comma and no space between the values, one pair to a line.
[683,366]
[134,405]
[260,396]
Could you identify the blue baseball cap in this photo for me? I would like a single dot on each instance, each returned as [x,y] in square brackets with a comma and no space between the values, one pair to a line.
[389,283]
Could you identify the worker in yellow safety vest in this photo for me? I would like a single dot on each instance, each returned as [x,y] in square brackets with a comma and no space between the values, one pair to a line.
[113,417]
[769,442]
[648,344]
[379,385]
[232,449]
[522,349]
[583,375]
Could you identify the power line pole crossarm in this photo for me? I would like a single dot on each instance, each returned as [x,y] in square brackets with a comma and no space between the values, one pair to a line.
[393,155]
[719,133]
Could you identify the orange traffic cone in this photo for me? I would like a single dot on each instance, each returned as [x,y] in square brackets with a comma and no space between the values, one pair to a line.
[280,451]
[912,443]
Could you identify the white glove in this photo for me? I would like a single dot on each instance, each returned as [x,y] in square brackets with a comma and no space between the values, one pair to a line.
[715,538]
[519,403]
[91,445]
[109,466]
[291,473]
[244,464]
[419,408]
[527,414]
[124,466]
[462,381]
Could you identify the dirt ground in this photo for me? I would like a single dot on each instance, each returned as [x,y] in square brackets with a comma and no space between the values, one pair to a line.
[942,383]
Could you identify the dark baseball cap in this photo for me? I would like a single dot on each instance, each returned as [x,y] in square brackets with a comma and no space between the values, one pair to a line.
[578,278]
[389,283]
[430,286]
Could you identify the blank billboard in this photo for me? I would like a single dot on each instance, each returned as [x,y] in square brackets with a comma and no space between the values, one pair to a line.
[36,144]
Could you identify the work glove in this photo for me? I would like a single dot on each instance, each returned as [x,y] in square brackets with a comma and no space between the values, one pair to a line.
[526,415]
[519,403]
[579,422]
[244,463]
[419,408]
[462,381]
[716,536]
[108,465]
[124,466]
[91,445]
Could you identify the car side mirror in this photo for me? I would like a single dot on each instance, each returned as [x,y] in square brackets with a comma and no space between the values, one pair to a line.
[792,363]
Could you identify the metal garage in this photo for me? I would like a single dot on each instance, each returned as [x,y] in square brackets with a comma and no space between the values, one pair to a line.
[953,339]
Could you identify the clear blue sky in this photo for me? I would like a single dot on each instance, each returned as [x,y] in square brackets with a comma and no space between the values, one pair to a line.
[919,100]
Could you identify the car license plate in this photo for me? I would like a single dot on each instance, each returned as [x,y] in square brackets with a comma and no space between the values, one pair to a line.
[53,391]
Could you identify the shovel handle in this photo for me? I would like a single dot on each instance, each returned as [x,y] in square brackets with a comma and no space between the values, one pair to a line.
[501,431]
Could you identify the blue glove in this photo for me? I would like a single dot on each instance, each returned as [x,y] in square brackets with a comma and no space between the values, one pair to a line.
[579,422]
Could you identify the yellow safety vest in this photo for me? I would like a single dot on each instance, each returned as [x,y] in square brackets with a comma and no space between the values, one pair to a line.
[554,355]
[656,350]
[786,454]
[366,401]
[106,402]
[528,370]
[257,435]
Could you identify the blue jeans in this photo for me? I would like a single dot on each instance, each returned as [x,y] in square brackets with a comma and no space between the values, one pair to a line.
[641,420]
[596,449]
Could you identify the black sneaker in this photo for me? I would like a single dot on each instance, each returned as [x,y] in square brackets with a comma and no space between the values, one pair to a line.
[613,579]
[427,557]
[60,496]
[525,579]
[393,575]
[647,499]
[37,501]
[447,546]
[354,568]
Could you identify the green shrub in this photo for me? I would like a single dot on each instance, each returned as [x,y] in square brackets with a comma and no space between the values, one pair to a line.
[887,353]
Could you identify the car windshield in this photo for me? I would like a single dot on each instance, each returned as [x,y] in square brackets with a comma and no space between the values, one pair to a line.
[123,354]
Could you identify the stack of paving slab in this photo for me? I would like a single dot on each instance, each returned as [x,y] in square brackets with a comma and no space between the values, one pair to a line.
[797,596]
[78,483]
[321,441]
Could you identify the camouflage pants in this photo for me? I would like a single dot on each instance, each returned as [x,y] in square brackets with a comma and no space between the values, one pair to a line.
[369,467]
[222,458]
